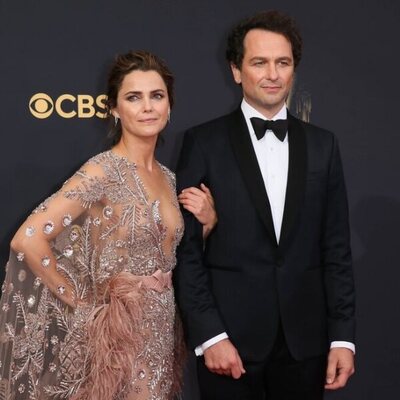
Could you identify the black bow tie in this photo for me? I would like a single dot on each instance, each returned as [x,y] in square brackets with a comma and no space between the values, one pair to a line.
[279,127]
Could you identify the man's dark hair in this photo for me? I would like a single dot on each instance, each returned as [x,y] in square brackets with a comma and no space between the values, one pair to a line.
[273,21]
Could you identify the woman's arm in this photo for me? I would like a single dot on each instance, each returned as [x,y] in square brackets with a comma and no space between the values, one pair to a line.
[32,242]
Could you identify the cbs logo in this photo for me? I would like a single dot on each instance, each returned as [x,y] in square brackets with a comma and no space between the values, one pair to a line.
[41,106]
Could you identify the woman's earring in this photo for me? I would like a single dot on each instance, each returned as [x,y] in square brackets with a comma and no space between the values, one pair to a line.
[115,120]
[169,115]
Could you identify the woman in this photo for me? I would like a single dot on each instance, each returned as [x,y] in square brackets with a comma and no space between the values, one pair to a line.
[88,309]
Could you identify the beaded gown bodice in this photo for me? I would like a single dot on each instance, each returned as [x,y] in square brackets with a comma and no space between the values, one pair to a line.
[107,239]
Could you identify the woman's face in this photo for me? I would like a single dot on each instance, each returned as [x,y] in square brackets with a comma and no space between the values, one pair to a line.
[142,104]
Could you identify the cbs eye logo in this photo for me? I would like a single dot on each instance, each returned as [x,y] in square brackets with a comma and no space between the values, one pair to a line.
[41,106]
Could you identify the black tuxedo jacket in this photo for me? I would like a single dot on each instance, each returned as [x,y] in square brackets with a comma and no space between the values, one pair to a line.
[241,280]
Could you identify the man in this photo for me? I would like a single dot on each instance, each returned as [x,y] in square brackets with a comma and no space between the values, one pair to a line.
[268,300]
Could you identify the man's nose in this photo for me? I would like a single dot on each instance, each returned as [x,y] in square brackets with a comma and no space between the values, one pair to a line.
[271,72]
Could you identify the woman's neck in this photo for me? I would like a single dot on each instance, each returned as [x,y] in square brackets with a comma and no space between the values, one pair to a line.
[141,152]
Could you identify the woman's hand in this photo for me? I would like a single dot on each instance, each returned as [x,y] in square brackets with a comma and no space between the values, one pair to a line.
[201,204]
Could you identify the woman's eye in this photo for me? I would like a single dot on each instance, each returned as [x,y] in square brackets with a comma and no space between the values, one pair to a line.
[158,96]
[133,97]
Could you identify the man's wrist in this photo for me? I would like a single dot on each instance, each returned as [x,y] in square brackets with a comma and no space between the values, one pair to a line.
[347,345]
[199,350]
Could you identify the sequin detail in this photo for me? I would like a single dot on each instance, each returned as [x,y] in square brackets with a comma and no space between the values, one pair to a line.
[21,275]
[54,340]
[74,235]
[66,220]
[37,282]
[97,221]
[107,212]
[68,251]
[20,256]
[61,289]
[45,261]
[31,301]
[48,227]
[30,231]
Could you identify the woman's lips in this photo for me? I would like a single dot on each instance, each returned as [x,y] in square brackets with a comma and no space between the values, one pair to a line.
[148,120]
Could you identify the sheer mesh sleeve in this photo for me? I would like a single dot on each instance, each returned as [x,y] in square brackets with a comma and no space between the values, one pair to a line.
[42,281]
[33,241]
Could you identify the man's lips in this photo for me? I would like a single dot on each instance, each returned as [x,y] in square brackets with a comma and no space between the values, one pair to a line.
[271,88]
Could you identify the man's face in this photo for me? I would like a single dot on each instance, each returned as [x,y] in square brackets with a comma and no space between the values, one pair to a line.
[267,71]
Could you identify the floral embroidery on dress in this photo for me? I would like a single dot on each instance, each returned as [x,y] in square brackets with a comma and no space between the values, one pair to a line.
[118,242]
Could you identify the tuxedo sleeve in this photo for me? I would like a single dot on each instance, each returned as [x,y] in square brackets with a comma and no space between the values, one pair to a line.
[339,282]
[199,313]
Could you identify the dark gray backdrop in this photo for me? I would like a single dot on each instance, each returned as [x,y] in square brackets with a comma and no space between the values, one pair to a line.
[349,71]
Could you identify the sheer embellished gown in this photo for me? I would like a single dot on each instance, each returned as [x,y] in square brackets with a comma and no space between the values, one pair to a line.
[87,309]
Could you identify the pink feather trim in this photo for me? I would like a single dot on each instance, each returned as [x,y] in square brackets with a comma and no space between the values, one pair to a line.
[113,338]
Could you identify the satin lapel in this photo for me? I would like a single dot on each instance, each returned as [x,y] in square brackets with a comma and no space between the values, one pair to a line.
[296,177]
[248,166]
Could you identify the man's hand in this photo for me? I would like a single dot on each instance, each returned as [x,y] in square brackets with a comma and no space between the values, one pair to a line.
[222,358]
[340,368]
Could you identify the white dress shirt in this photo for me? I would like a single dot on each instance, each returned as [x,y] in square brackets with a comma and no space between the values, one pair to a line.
[273,160]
